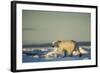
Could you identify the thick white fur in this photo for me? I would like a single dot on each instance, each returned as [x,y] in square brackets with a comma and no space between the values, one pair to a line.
[60,50]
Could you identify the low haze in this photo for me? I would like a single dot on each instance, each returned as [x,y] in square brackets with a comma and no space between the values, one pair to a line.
[45,26]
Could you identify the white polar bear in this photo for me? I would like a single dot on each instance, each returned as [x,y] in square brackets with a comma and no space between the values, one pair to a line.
[69,46]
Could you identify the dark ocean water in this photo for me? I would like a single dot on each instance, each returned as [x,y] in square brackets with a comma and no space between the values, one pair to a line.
[50,44]
[36,56]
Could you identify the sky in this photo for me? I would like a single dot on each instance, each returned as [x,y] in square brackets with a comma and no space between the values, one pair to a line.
[40,27]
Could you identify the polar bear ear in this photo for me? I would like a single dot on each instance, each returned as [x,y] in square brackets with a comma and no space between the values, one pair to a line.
[56,43]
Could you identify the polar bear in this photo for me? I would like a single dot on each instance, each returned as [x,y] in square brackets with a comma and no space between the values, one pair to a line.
[65,46]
